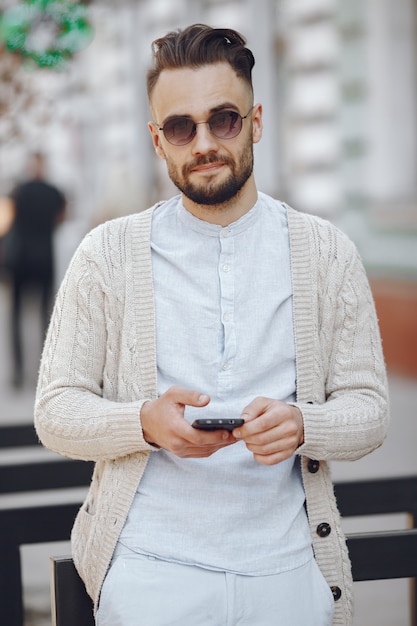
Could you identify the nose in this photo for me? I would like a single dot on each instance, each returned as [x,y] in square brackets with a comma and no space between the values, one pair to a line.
[204,141]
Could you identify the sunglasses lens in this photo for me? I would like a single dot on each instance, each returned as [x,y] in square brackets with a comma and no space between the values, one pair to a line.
[225,124]
[179,130]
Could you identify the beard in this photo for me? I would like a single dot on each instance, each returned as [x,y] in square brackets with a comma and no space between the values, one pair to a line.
[212,193]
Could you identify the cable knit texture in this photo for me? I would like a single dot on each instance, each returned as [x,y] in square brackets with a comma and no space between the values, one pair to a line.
[99,366]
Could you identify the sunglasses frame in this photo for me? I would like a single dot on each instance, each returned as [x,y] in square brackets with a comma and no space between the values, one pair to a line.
[195,124]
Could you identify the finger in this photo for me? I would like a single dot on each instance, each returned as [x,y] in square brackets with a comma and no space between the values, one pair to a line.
[203,450]
[270,432]
[275,414]
[272,459]
[272,447]
[255,426]
[187,397]
[255,408]
[207,438]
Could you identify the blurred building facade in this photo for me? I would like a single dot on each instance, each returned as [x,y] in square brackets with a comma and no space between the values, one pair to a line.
[338,82]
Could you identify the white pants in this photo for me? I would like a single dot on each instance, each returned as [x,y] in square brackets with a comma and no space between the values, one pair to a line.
[143,591]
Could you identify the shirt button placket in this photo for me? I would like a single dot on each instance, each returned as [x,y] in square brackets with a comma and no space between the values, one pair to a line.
[227,278]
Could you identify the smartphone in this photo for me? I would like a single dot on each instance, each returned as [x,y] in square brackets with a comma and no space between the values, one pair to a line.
[218,423]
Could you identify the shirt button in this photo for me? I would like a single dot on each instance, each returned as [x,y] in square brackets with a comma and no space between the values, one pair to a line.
[227,317]
[226,267]
[226,366]
[225,233]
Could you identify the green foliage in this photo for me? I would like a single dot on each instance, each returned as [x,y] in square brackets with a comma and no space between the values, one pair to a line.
[48,32]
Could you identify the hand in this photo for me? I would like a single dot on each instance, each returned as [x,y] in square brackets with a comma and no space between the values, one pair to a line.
[163,424]
[273,430]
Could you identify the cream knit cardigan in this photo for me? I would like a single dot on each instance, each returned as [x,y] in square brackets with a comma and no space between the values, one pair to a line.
[99,366]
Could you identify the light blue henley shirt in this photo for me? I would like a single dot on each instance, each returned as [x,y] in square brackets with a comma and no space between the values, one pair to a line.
[224,327]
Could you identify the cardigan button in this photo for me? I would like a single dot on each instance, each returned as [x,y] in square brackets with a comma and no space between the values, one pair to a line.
[337,593]
[324,529]
[313,466]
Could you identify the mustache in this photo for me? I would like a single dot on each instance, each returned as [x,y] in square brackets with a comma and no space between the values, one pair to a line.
[206,160]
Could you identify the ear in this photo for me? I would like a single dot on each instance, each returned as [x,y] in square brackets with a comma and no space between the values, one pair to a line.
[257,122]
[156,140]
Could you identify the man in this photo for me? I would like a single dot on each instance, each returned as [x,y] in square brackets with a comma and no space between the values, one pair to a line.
[219,303]
[38,208]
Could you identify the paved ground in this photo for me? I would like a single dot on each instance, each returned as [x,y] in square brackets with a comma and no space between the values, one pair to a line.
[382,603]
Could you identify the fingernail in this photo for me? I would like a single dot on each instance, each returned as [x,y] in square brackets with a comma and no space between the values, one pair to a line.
[203,398]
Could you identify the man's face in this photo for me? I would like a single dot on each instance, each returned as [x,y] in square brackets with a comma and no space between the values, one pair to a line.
[207,170]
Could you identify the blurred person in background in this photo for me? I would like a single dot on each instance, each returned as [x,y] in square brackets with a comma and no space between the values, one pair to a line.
[225,303]
[38,207]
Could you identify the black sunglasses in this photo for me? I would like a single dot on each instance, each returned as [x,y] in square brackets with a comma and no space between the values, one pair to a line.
[224,125]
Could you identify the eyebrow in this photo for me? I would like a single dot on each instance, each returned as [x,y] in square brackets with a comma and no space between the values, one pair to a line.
[220,107]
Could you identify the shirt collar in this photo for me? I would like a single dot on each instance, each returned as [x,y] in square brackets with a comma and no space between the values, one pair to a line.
[213,230]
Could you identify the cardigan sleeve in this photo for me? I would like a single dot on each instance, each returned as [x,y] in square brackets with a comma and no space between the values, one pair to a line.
[77,413]
[347,417]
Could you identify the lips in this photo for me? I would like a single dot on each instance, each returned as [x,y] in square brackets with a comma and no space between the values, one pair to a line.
[206,165]
[211,167]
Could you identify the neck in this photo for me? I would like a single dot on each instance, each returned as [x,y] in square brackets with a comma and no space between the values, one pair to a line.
[227,212]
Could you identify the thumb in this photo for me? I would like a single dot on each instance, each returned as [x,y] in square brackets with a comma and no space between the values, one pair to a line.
[188,397]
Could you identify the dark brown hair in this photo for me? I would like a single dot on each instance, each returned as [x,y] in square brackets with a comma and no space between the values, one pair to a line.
[199,45]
